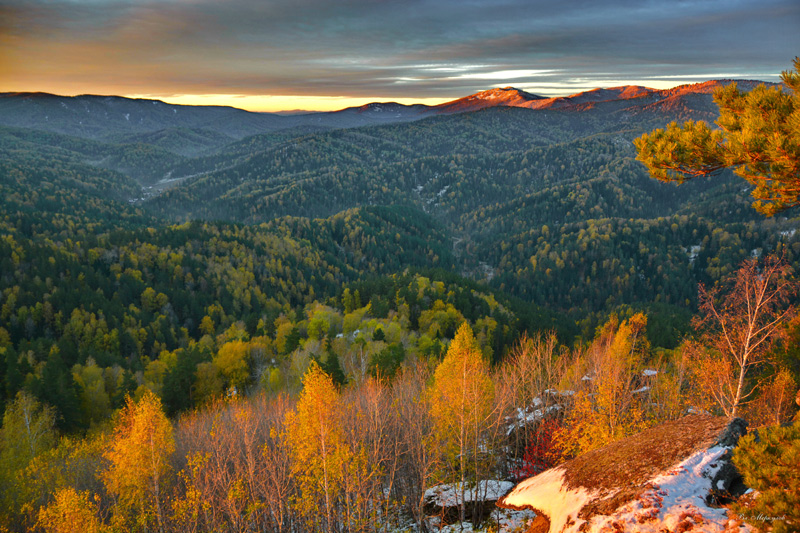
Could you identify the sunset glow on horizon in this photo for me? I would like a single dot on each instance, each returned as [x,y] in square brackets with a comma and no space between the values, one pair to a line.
[323,55]
[274,104]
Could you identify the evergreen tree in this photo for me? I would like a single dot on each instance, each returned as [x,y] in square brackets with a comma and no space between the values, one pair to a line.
[768,463]
[759,137]
[13,377]
[57,387]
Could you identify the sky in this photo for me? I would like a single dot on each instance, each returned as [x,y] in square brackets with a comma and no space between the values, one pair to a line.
[270,55]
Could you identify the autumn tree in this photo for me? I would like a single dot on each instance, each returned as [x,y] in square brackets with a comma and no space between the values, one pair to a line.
[608,407]
[418,444]
[739,321]
[71,512]
[28,430]
[318,449]
[758,137]
[139,459]
[775,403]
[238,474]
[461,401]
[277,468]
[233,361]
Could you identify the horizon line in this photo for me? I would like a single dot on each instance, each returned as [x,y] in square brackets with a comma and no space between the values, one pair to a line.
[293,104]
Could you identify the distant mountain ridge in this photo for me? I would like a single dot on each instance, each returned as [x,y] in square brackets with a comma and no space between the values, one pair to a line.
[95,117]
[102,117]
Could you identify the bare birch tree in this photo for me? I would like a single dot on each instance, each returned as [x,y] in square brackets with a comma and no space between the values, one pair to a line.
[739,322]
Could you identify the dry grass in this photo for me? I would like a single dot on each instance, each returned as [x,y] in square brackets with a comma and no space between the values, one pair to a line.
[629,463]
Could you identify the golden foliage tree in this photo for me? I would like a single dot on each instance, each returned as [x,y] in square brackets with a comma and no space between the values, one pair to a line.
[461,402]
[608,408]
[28,430]
[318,449]
[232,359]
[70,512]
[139,459]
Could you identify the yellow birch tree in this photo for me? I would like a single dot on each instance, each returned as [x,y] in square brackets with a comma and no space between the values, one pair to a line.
[318,448]
[608,407]
[70,512]
[139,455]
[461,400]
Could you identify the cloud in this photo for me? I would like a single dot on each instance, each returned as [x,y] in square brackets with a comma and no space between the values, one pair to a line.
[379,48]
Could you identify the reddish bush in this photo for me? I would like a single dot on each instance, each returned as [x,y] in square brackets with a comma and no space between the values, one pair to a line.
[539,454]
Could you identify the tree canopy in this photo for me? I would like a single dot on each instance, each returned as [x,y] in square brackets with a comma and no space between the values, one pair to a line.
[758,137]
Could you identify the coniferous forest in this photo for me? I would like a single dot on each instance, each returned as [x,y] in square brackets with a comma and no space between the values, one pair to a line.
[248,330]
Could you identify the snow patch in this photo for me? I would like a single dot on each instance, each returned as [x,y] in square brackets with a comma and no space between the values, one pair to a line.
[525,416]
[692,252]
[449,495]
[673,500]
[548,493]
[507,521]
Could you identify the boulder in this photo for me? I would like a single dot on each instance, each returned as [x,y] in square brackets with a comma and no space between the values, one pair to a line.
[444,500]
[671,476]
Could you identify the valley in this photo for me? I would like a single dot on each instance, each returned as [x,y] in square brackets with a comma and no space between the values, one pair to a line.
[209,263]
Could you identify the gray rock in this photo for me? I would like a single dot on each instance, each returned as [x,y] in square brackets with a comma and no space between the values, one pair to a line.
[730,435]
[727,484]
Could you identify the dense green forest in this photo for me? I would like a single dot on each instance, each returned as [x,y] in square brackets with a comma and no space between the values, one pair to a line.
[184,267]
[547,211]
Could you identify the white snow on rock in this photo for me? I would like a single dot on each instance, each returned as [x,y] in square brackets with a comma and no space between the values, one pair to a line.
[674,500]
[525,416]
[648,372]
[449,495]
[547,493]
[657,480]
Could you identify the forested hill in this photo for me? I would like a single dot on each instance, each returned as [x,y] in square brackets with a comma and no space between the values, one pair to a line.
[135,254]
[174,127]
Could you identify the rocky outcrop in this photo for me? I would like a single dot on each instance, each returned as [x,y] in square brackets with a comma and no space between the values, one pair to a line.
[672,476]
[444,501]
